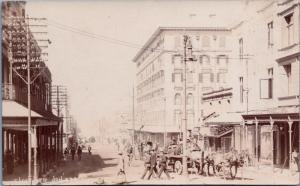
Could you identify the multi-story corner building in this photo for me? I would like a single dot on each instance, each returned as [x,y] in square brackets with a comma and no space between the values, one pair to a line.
[47,134]
[160,78]
[265,80]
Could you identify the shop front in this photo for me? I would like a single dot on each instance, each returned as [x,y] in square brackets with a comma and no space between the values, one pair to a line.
[272,137]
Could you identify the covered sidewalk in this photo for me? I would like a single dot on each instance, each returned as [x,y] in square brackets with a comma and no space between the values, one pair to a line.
[46,137]
[272,135]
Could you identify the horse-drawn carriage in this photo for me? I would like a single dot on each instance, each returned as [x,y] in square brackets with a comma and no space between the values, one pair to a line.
[203,162]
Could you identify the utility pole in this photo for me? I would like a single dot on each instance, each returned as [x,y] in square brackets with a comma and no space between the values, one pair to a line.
[59,101]
[29,100]
[18,27]
[184,158]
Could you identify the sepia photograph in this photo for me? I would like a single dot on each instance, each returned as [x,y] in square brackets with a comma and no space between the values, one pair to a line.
[150,92]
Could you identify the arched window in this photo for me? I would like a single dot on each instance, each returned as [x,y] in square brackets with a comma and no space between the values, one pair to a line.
[177,99]
[190,99]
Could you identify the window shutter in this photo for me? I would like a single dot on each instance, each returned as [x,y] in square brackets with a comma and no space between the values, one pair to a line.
[181,77]
[173,77]
[218,77]
[270,88]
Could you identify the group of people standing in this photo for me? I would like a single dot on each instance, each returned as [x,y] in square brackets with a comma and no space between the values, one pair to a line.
[73,150]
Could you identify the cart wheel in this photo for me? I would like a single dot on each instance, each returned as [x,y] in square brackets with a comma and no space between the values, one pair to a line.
[233,171]
[178,167]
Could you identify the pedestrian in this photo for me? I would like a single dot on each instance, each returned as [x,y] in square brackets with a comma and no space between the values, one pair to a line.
[121,168]
[295,156]
[90,150]
[130,154]
[79,152]
[153,163]
[66,152]
[73,150]
[140,150]
[146,163]
[163,165]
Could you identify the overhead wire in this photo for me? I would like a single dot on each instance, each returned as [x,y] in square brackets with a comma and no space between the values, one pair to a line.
[117,41]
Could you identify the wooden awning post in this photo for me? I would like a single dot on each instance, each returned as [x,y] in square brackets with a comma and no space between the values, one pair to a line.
[272,143]
[256,141]
[290,122]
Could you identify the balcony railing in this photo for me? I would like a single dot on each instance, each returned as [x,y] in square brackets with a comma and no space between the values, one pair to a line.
[8,92]
[12,92]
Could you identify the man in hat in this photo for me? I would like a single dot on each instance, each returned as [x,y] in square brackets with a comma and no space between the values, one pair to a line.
[163,164]
[153,163]
[147,163]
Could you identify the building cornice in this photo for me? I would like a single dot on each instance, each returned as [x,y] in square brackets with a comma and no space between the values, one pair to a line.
[161,29]
[288,9]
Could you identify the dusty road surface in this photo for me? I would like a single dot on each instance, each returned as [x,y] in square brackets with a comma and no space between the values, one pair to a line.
[101,168]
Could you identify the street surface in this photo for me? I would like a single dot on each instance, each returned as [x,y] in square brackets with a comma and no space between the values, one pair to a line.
[101,168]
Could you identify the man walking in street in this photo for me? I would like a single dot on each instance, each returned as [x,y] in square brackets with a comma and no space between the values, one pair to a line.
[79,152]
[163,165]
[153,163]
[73,150]
[147,163]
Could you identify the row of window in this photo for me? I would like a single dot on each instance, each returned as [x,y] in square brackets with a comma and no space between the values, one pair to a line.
[204,77]
[151,117]
[151,95]
[287,33]
[153,81]
[189,99]
[149,69]
[177,117]
[201,41]
[204,60]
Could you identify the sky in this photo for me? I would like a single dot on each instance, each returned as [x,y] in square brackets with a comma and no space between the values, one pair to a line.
[97,71]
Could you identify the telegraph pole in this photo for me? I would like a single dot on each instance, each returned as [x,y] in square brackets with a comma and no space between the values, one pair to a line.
[29,99]
[20,23]
[184,158]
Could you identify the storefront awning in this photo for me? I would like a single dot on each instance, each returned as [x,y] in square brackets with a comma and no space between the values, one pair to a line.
[13,109]
[211,132]
[15,117]
[274,114]
[225,119]
[160,129]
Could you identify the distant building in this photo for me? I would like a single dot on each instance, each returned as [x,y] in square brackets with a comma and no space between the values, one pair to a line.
[160,77]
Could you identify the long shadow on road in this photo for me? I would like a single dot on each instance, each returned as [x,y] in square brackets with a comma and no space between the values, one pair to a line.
[88,164]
